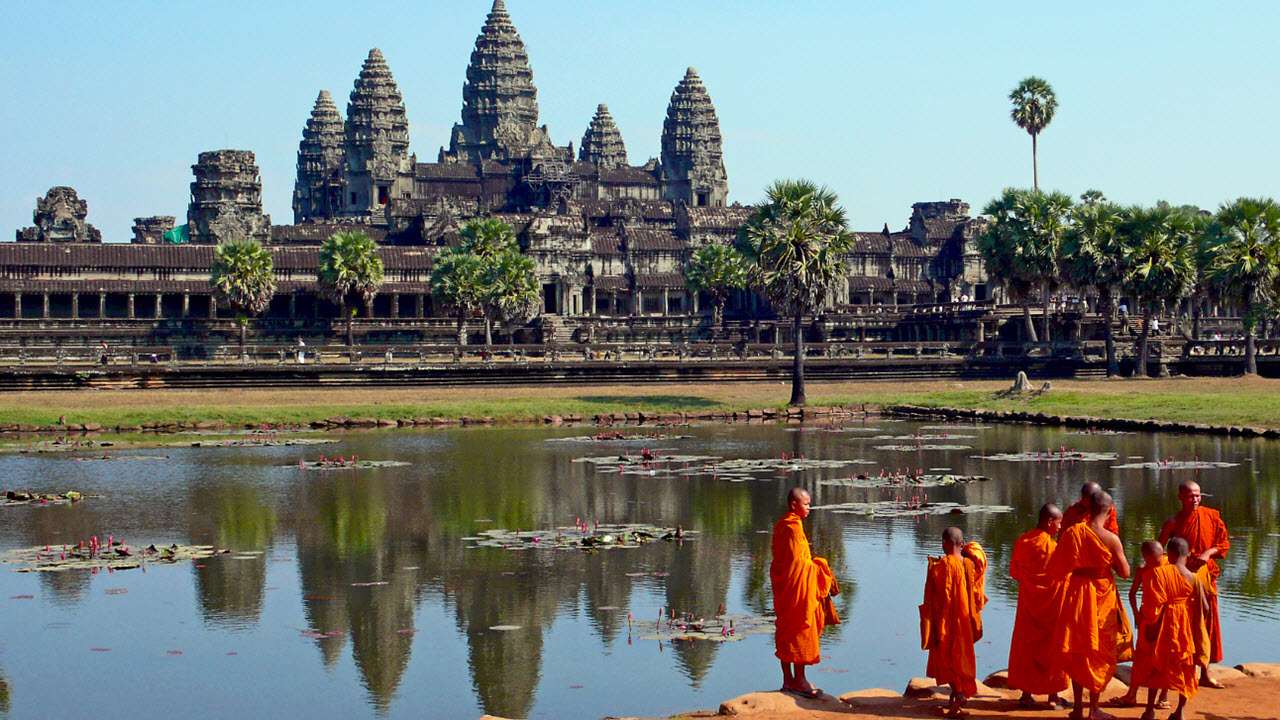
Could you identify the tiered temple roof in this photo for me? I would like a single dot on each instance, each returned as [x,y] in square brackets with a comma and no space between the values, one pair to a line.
[602,143]
[319,158]
[377,129]
[692,160]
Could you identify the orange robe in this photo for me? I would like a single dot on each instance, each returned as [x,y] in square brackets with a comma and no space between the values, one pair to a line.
[1032,652]
[1079,513]
[799,584]
[950,602]
[1165,659]
[1203,529]
[1087,633]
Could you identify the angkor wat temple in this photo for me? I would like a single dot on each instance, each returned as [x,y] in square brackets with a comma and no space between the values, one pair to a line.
[610,239]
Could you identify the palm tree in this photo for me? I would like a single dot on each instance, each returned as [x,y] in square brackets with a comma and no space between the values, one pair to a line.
[795,245]
[511,290]
[1034,104]
[1159,252]
[243,277]
[349,264]
[1246,262]
[1021,246]
[1093,259]
[487,238]
[457,281]
[716,270]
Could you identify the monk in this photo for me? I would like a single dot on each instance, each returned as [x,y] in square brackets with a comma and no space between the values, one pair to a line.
[1079,512]
[1087,633]
[952,604]
[1031,654]
[1152,556]
[1206,535]
[800,583]
[1166,659]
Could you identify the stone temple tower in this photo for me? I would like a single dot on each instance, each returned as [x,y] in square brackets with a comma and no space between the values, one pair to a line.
[691,167]
[226,199]
[499,100]
[602,143]
[317,193]
[376,143]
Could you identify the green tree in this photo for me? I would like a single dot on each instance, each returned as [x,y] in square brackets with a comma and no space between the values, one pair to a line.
[511,290]
[716,270]
[349,266]
[243,277]
[487,239]
[1021,246]
[457,280]
[1034,104]
[1246,262]
[1093,258]
[1159,247]
[1092,196]
[796,245]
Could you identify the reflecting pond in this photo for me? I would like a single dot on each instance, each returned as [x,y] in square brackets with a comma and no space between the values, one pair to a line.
[365,592]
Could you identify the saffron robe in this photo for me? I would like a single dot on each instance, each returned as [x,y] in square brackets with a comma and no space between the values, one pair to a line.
[1079,513]
[799,584]
[1087,633]
[950,602]
[1032,652]
[1165,659]
[1203,528]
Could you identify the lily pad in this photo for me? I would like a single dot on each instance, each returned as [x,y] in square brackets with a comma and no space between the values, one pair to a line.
[48,559]
[1175,465]
[925,436]
[346,464]
[617,436]
[720,628]
[582,537]
[505,628]
[956,426]
[904,481]
[262,442]
[1059,455]
[13,498]
[912,508]
[920,446]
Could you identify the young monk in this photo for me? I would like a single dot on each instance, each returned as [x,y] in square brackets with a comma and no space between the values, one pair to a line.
[1206,535]
[1031,654]
[1152,556]
[800,582]
[952,604]
[1087,633]
[1169,595]
[1079,512]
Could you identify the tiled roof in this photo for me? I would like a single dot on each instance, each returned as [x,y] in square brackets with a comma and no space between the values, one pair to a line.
[446,171]
[660,280]
[719,218]
[628,176]
[611,282]
[316,233]
[872,283]
[654,241]
[606,241]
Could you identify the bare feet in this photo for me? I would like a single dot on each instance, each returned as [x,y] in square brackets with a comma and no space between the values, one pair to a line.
[1026,700]
[1206,681]
[1099,715]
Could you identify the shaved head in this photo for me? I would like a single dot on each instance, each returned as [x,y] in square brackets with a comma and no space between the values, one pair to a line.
[1187,486]
[1088,489]
[1177,548]
[1099,504]
[1189,495]
[1049,512]
[953,535]
[797,494]
[1152,547]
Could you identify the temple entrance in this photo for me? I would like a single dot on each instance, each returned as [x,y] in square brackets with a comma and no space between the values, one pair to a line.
[549,296]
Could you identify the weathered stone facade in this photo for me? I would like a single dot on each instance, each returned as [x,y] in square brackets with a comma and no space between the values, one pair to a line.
[60,217]
[151,230]
[226,199]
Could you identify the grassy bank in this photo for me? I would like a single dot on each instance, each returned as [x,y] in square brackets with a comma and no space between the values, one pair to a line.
[1223,401]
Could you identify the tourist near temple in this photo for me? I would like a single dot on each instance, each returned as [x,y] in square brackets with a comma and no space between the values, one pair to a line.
[610,239]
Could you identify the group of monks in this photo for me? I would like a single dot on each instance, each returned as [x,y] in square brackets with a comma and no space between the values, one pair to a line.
[1071,627]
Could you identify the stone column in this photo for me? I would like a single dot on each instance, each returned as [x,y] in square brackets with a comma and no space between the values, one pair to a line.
[44,311]
[666,302]
[186,305]
[613,303]
[102,305]
[75,306]
[982,331]
[693,303]
[159,304]
[293,306]
[17,305]
[395,305]
[213,307]
[131,316]
[419,305]
[638,303]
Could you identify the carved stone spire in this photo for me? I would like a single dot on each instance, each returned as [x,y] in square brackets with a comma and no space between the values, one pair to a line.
[376,139]
[499,100]
[602,143]
[692,162]
[319,155]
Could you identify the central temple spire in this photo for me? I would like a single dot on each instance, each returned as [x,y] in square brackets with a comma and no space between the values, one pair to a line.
[499,100]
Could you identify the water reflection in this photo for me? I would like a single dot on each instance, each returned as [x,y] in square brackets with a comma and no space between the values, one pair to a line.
[378,554]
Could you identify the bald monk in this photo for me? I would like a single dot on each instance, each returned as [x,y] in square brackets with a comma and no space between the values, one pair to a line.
[1031,654]
[1152,556]
[1166,659]
[1087,632]
[1079,512]
[1206,535]
[952,601]
[800,582]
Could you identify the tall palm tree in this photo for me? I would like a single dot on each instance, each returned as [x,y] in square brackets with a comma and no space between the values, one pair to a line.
[1160,259]
[1034,104]
[1246,262]
[457,280]
[487,238]
[349,265]
[716,270]
[1021,246]
[1093,259]
[796,245]
[243,277]
[511,290]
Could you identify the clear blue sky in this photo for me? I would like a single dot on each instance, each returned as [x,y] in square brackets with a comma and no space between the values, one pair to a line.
[888,103]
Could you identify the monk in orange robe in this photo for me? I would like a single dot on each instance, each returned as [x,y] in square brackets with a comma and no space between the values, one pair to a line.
[1166,658]
[1079,512]
[1206,535]
[1087,633]
[800,582]
[1152,556]
[1032,653]
[952,604]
